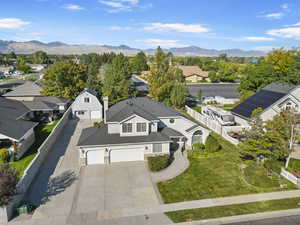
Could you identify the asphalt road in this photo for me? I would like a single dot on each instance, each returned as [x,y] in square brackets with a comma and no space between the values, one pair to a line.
[290,220]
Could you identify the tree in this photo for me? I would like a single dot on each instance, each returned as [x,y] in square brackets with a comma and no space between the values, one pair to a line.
[139,62]
[163,78]
[280,133]
[22,66]
[8,183]
[178,95]
[116,84]
[40,57]
[64,79]
[253,145]
[200,95]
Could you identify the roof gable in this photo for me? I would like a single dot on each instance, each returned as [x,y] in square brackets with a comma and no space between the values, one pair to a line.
[263,99]
[28,89]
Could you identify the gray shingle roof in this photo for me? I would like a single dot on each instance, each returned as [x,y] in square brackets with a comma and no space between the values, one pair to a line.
[11,124]
[145,106]
[169,132]
[98,136]
[29,89]
[212,90]
[90,91]
[263,99]
[40,105]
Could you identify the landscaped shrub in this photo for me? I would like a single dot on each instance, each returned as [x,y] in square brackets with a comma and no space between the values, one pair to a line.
[157,163]
[294,165]
[199,147]
[4,155]
[8,182]
[212,145]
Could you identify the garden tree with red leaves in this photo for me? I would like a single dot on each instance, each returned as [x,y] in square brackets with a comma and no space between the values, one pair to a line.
[8,182]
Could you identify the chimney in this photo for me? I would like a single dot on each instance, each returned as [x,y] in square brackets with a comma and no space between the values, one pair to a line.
[105,106]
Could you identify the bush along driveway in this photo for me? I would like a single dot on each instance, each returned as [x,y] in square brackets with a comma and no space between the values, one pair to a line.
[42,131]
[220,174]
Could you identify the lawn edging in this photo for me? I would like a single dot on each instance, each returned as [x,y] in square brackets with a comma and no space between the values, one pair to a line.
[6,213]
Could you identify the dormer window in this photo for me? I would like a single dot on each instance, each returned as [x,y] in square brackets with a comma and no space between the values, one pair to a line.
[141,127]
[127,127]
[86,100]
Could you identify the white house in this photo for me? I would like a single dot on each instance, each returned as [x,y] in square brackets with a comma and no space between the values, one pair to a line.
[272,100]
[135,128]
[87,106]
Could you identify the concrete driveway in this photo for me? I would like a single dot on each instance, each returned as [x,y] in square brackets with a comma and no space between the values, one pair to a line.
[108,189]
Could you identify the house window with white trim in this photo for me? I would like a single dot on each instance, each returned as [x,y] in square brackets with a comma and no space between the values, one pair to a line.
[127,127]
[86,100]
[141,127]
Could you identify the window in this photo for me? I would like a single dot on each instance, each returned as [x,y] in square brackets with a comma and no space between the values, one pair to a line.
[86,100]
[80,112]
[157,148]
[127,127]
[141,127]
[172,120]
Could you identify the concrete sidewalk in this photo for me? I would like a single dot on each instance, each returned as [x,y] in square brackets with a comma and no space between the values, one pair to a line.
[177,167]
[205,203]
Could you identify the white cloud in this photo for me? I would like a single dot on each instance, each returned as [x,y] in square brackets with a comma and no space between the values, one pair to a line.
[178,27]
[257,38]
[123,5]
[12,23]
[294,25]
[162,43]
[290,32]
[278,15]
[285,6]
[118,28]
[73,7]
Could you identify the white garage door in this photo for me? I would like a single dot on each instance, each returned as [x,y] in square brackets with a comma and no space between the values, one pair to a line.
[95,115]
[95,157]
[126,155]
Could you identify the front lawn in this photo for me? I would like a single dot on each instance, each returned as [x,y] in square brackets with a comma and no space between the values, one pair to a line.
[157,163]
[220,174]
[233,210]
[41,133]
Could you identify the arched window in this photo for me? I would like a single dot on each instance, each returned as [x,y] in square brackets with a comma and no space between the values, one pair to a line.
[197,137]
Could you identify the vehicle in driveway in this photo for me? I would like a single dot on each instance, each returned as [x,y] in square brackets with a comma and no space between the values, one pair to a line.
[134,129]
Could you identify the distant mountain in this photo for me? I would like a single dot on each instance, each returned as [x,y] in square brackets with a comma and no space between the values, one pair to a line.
[60,48]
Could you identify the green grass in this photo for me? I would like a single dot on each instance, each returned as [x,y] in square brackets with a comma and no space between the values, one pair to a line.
[41,133]
[219,175]
[197,108]
[294,164]
[228,106]
[157,163]
[233,210]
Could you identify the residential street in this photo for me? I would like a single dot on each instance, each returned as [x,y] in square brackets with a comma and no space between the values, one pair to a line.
[289,220]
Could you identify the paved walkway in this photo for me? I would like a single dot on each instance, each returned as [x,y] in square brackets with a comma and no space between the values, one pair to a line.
[177,167]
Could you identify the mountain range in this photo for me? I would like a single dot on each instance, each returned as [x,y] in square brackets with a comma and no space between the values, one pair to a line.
[60,48]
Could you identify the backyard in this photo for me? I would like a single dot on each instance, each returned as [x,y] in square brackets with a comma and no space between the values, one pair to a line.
[41,133]
[220,174]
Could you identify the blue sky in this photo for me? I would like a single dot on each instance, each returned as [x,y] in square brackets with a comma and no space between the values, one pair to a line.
[216,24]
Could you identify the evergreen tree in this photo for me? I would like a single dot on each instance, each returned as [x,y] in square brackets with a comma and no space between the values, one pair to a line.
[139,63]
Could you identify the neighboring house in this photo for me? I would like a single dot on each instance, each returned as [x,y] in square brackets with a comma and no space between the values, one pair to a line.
[139,85]
[30,93]
[16,133]
[135,128]
[272,99]
[6,70]
[87,106]
[37,67]
[194,74]
[221,93]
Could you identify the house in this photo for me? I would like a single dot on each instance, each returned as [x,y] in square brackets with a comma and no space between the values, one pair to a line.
[6,70]
[135,128]
[37,67]
[87,106]
[274,98]
[16,133]
[194,73]
[221,93]
[41,107]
